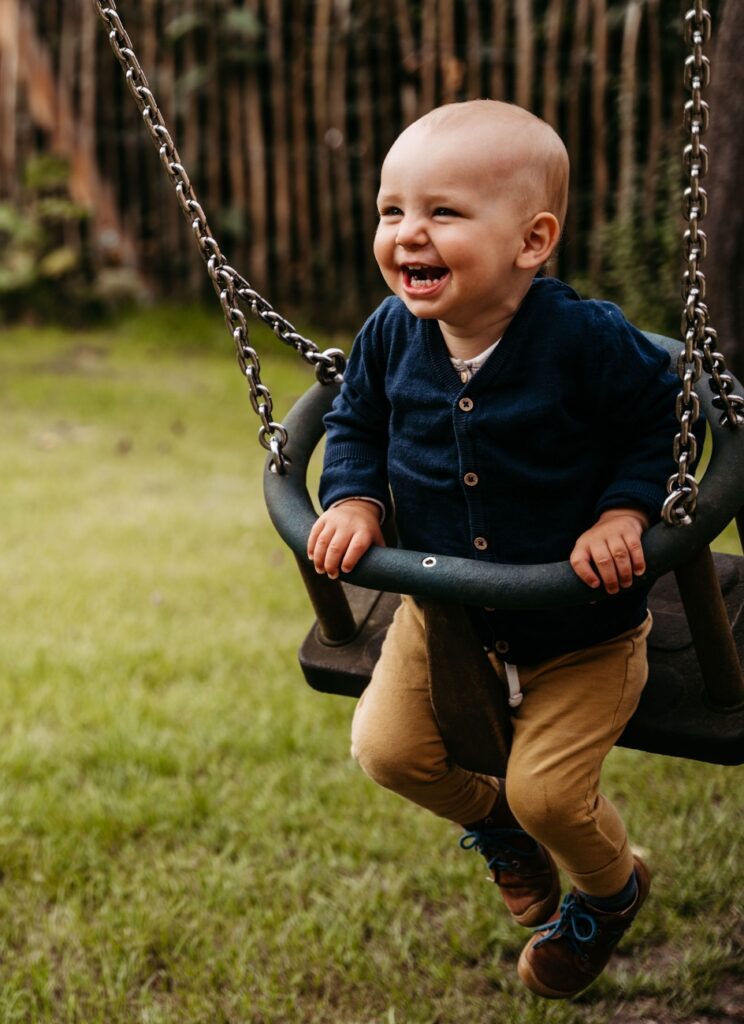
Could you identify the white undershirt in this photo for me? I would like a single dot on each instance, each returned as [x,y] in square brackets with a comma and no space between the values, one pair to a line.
[465,368]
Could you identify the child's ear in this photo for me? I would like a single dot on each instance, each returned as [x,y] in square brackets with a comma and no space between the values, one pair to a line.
[540,238]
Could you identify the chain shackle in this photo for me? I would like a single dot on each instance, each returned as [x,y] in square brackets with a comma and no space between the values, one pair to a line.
[699,338]
[230,287]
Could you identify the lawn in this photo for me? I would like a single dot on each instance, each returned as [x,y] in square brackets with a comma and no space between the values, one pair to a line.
[183,835]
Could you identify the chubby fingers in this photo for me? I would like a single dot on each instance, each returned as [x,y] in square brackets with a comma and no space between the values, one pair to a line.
[594,563]
[583,561]
[635,551]
[610,554]
[328,548]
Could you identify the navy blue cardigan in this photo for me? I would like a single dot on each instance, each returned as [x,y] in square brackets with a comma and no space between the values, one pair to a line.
[572,414]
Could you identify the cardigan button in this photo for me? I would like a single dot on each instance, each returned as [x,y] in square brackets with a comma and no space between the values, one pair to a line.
[471,479]
[501,647]
[480,543]
[466,404]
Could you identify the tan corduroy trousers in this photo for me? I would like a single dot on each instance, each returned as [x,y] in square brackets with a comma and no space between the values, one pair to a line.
[573,710]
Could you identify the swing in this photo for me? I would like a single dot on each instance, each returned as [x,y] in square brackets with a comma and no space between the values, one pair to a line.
[693,704]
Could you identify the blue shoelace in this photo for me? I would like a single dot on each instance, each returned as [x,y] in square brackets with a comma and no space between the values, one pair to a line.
[575,923]
[494,845]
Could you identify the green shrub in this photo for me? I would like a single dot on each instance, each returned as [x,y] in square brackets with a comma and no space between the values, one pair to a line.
[46,272]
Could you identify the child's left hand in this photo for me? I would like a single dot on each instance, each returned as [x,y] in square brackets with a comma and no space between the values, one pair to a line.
[610,552]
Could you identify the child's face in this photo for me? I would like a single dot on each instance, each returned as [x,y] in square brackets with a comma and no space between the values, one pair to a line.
[451,231]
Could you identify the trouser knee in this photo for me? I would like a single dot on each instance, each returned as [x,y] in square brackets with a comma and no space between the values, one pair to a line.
[390,765]
[544,806]
[394,759]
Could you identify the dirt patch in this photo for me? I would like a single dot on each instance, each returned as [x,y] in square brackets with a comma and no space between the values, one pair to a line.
[727,1007]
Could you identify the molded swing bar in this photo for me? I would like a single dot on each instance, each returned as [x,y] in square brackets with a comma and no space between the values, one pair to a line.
[497,585]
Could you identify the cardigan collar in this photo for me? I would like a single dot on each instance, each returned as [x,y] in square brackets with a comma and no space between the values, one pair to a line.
[541,293]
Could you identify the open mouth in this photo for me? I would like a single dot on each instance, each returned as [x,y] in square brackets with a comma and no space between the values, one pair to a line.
[420,278]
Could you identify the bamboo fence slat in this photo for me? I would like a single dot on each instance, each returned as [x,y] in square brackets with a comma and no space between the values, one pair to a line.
[366,133]
[600,169]
[9,32]
[628,97]
[552,90]
[258,199]
[427,96]
[655,125]
[498,49]
[473,51]
[573,138]
[337,143]
[300,157]
[410,60]
[525,51]
[280,148]
[450,66]
[323,181]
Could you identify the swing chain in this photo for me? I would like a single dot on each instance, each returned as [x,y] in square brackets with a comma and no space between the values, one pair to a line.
[699,354]
[230,286]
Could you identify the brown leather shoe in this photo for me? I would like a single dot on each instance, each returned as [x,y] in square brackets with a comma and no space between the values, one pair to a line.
[570,951]
[522,868]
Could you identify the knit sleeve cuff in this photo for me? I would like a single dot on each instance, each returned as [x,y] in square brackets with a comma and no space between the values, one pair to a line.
[638,493]
[362,497]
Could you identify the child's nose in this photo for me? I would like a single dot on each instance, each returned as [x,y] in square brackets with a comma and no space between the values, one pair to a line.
[411,233]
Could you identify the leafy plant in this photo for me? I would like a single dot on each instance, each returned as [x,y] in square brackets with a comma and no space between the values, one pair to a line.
[641,259]
[45,268]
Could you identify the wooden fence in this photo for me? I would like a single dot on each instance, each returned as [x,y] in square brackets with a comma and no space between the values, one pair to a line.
[283,109]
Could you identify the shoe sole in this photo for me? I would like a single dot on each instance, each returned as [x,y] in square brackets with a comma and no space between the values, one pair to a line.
[540,912]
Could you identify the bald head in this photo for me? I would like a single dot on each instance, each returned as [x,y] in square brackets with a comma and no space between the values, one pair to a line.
[507,145]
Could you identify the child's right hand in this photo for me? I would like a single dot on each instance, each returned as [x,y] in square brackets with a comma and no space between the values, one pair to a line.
[341,535]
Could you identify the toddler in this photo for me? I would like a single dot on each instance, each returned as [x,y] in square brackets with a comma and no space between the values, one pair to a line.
[505,419]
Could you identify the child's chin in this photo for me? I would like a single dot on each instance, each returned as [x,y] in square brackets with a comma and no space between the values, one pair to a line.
[416,306]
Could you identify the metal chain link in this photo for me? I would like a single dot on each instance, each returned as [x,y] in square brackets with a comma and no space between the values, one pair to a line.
[228,283]
[699,337]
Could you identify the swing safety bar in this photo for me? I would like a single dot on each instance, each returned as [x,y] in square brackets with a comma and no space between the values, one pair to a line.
[497,585]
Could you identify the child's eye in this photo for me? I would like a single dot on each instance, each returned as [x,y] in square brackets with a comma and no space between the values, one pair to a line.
[390,211]
[445,211]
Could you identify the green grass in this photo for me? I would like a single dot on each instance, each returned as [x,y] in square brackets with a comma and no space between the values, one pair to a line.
[183,835]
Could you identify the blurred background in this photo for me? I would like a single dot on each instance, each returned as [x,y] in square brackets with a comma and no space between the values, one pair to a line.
[282,111]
